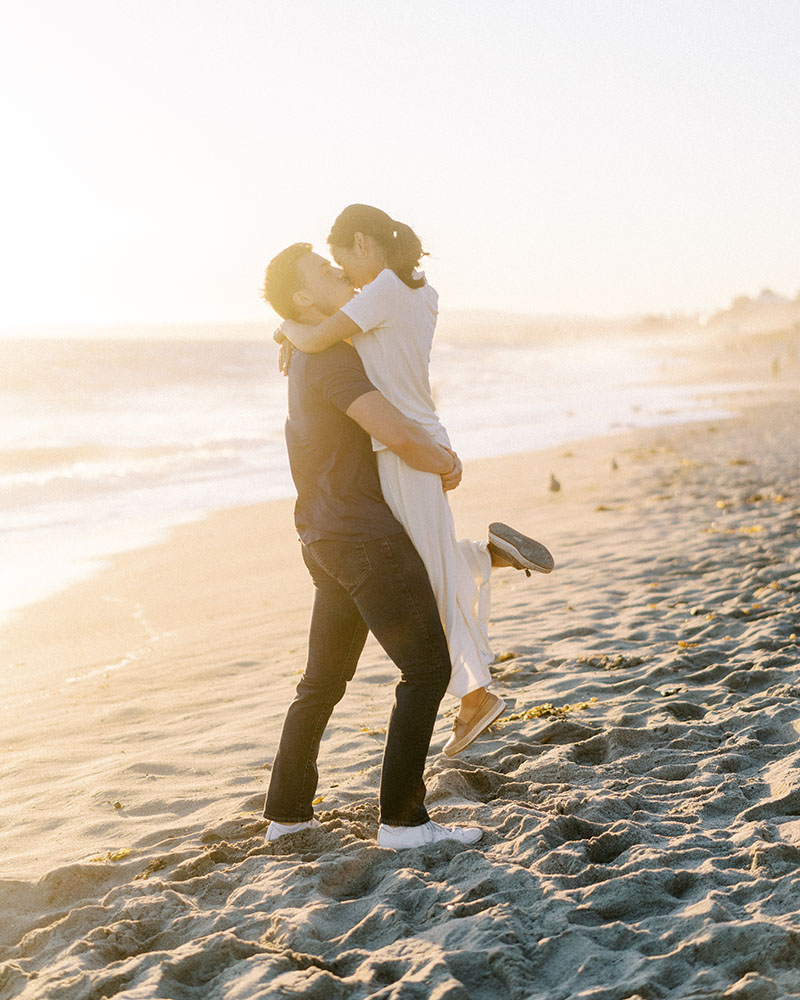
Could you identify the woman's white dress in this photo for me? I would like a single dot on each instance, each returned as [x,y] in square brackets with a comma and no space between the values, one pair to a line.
[398,324]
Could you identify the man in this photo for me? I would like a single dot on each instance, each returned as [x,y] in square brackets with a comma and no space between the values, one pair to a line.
[367,574]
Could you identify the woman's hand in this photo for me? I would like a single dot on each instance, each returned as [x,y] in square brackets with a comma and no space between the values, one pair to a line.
[452,478]
[286,350]
[285,356]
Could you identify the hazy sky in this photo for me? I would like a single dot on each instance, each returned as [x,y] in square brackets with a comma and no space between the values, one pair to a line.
[573,156]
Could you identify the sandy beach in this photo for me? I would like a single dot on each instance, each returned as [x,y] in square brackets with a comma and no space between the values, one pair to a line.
[640,797]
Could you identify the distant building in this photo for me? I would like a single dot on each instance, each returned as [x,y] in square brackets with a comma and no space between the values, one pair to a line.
[768,312]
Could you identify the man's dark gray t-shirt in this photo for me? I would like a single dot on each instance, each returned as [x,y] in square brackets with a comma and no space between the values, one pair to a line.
[331,457]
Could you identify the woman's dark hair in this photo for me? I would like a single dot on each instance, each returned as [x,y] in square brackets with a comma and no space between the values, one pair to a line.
[402,245]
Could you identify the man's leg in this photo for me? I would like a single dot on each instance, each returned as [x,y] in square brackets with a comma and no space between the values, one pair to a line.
[336,639]
[390,587]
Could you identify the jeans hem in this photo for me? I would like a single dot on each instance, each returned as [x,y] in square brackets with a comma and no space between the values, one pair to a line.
[299,819]
[389,822]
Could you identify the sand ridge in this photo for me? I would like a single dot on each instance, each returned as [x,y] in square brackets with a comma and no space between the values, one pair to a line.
[640,799]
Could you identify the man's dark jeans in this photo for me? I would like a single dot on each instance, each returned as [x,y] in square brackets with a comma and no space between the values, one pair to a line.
[379,586]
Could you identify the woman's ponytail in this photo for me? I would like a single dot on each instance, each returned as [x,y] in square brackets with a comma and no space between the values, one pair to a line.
[402,245]
[405,254]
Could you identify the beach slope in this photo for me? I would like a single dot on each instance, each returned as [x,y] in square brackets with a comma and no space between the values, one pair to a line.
[640,798]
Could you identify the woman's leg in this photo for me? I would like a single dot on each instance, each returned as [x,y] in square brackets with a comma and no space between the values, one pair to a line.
[459,570]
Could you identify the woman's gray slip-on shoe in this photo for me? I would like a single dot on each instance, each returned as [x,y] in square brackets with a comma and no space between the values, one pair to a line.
[520,550]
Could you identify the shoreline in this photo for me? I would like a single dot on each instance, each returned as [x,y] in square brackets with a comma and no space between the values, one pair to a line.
[153,535]
[730,405]
[656,382]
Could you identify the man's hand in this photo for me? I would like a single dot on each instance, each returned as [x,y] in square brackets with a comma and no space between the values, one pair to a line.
[452,479]
[407,439]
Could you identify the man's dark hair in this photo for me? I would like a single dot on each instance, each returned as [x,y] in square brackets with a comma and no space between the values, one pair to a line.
[281,279]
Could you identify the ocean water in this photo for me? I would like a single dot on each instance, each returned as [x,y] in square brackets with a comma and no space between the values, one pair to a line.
[106,444]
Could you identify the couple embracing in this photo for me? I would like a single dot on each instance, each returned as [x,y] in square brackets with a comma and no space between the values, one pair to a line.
[372,465]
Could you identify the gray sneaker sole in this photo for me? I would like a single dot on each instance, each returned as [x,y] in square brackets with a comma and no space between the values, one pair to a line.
[523,552]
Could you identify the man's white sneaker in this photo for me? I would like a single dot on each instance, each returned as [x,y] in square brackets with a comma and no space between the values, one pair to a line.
[400,838]
[275,830]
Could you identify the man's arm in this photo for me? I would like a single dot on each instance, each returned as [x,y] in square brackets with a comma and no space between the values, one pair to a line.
[404,437]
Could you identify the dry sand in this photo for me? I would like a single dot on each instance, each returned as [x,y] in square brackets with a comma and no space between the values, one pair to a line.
[640,800]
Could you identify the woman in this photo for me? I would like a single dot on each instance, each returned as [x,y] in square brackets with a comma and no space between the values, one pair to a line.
[391,325]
